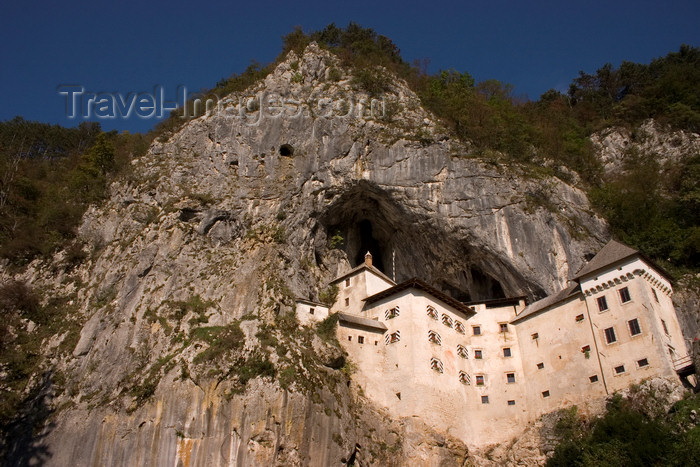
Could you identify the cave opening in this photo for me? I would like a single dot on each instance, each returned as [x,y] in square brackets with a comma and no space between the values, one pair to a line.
[367,242]
[405,245]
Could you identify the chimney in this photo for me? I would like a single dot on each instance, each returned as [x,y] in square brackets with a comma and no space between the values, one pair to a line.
[368,259]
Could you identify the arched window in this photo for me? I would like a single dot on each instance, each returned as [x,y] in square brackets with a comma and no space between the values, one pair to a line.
[436,365]
[462,351]
[459,327]
[464,378]
[434,338]
[446,320]
[391,313]
[432,312]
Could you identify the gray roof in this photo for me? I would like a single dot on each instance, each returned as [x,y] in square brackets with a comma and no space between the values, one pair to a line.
[610,254]
[546,302]
[360,268]
[309,302]
[372,324]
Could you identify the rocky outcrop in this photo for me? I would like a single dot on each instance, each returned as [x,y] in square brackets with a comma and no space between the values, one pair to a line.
[182,349]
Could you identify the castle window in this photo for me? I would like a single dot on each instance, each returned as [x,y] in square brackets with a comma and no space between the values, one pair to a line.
[392,313]
[511,402]
[436,365]
[311,311]
[625,295]
[360,339]
[656,297]
[593,379]
[510,378]
[540,366]
[347,302]
[634,327]
[586,348]
[432,312]
[446,320]
[484,399]
[393,337]
[545,393]
[350,338]
[459,327]
[535,335]
[476,330]
[462,351]
[602,303]
[478,355]
[663,323]
[479,380]
[347,282]
[464,378]
[506,352]
[579,317]
[610,336]
[434,338]
[503,327]
[642,363]
[619,369]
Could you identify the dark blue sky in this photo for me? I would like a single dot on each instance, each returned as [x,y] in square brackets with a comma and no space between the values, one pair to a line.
[129,46]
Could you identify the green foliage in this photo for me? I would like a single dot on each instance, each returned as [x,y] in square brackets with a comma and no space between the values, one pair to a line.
[222,340]
[625,436]
[336,240]
[326,328]
[328,295]
[48,177]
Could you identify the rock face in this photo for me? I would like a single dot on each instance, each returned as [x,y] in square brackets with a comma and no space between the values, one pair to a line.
[185,355]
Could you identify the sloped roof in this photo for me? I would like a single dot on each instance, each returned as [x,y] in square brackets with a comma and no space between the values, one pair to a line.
[418,284]
[371,324]
[610,254]
[360,268]
[548,301]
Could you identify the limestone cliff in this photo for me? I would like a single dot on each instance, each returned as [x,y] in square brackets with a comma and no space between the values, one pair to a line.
[182,349]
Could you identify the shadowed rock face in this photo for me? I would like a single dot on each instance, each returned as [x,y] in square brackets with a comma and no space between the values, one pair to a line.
[240,212]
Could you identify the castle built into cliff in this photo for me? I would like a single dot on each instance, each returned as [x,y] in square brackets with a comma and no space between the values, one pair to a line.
[482,370]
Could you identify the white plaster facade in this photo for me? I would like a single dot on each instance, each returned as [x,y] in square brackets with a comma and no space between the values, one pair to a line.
[481,371]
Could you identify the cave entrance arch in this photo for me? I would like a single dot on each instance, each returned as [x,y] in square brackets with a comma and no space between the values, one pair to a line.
[367,242]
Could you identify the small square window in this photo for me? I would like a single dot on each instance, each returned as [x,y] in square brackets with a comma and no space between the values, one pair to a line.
[503,327]
[511,402]
[510,377]
[347,302]
[506,352]
[545,393]
[593,379]
[579,318]
[360,339]
[535,335]
[625,295]
[619,369]
[484,399]
[602,304]
[347,282]
[634,327]
[479,380]
[540,366]
[476,330]
[610,335]
[586,348]
[311,311]
[478,354]
[376,342]
[350,338]
[642,363]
